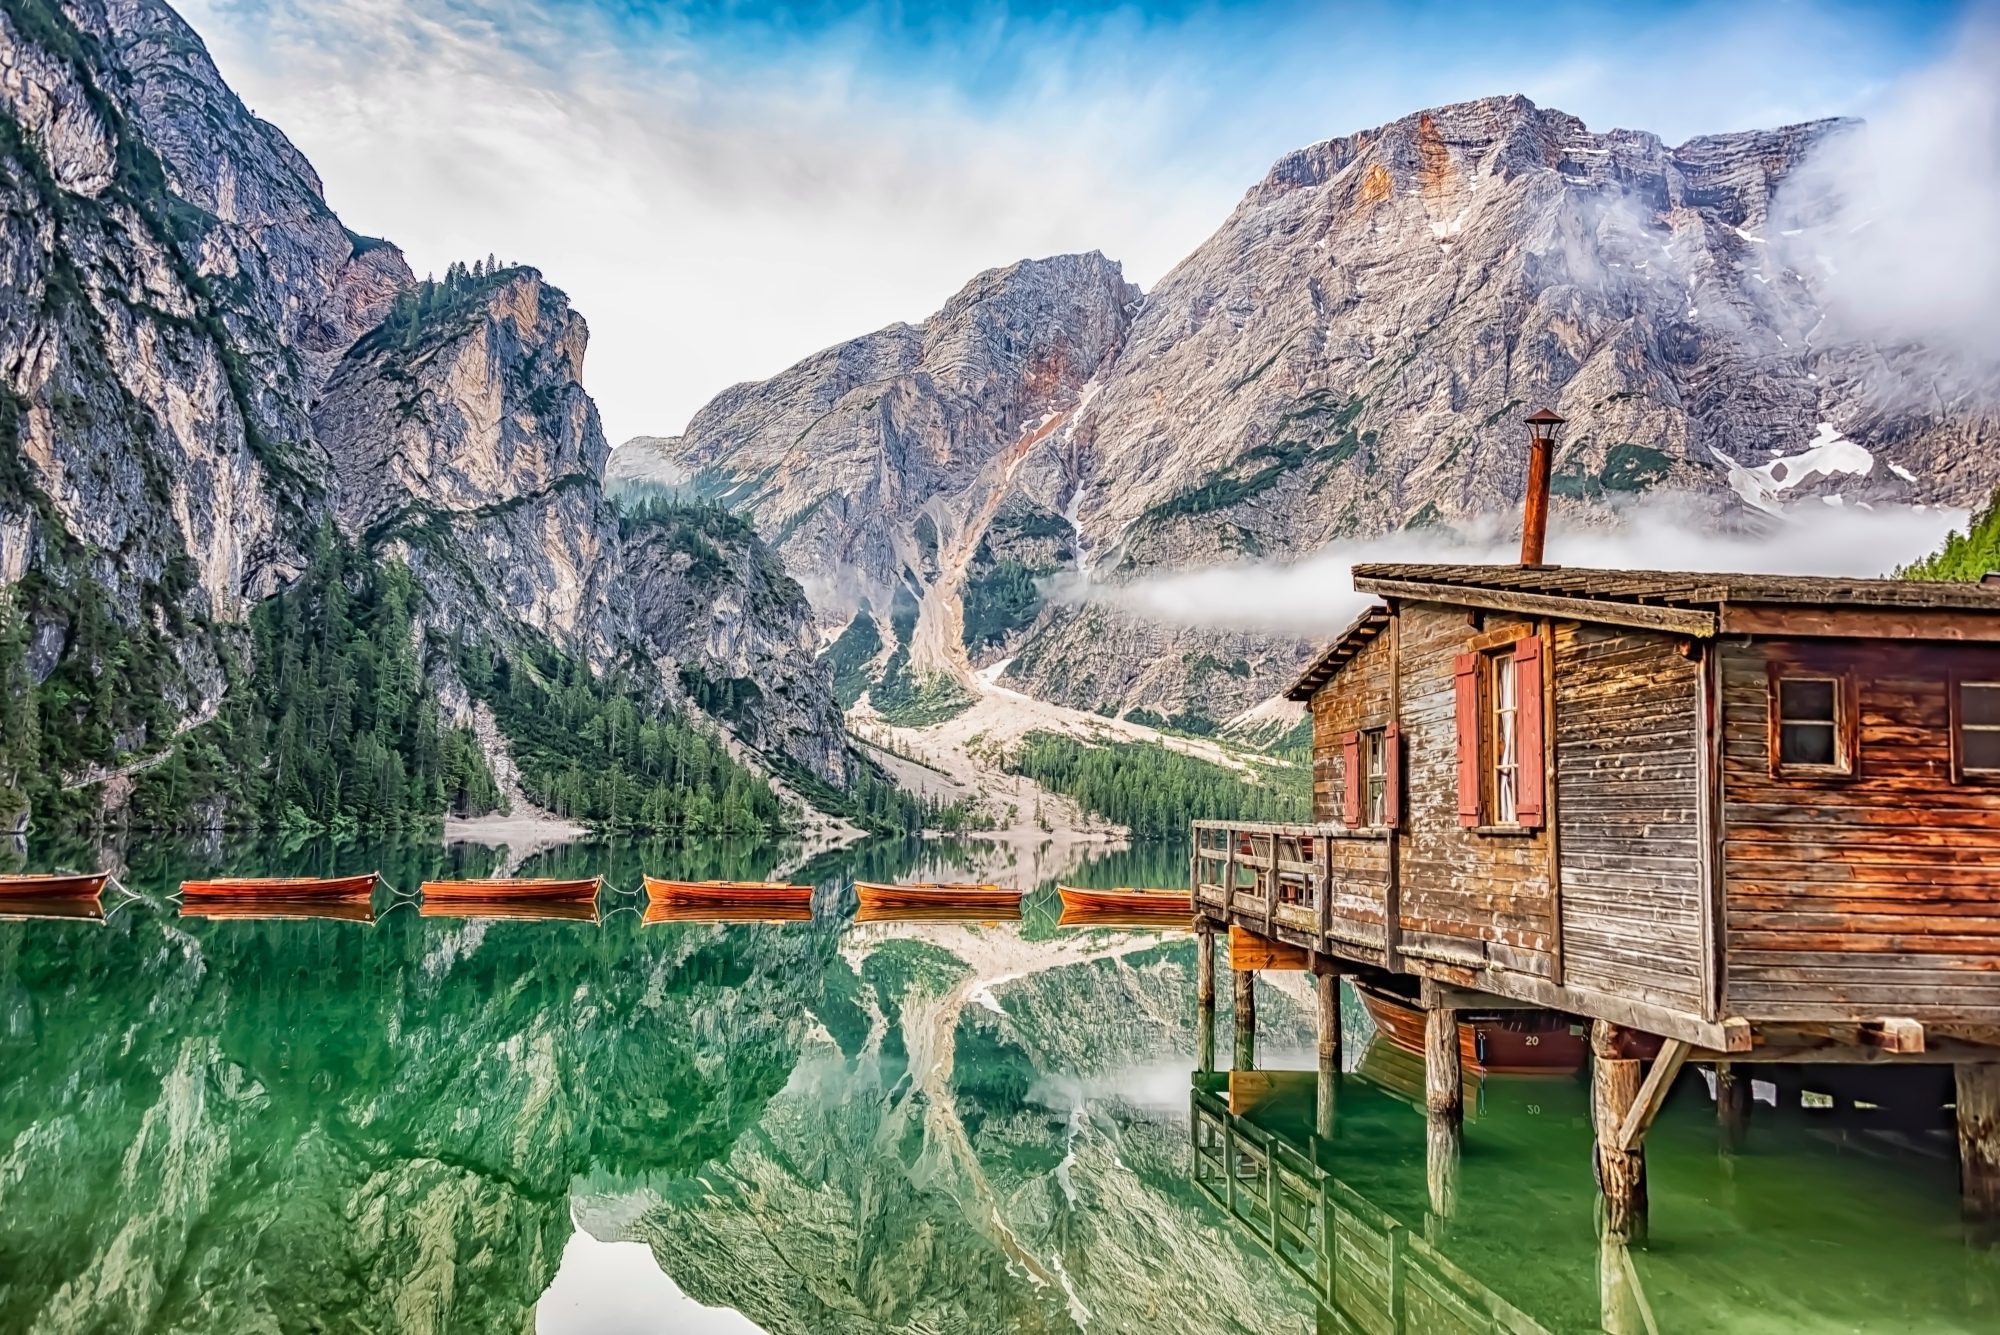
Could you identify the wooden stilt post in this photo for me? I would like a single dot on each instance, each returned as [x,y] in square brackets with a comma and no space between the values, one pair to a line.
[1444,1083]
[1441,1147]
[1326,984]
[1327,1091]
[1621,1173]
[1246,1019]
[1979,1142]
[1204,964]
[1732,1104]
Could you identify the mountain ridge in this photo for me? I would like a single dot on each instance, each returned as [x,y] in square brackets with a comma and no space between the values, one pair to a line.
[1348,355]
[202,369]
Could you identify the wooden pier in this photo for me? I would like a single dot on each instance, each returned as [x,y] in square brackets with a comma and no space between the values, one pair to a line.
[1721,819]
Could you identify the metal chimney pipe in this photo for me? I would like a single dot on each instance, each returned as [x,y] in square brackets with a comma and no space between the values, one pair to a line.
[1543,427]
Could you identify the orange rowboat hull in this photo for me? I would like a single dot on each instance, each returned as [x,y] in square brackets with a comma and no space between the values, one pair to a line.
[512,907]
[1483,1046]
[283,887]
[899,897]
[529,887]
[1159,903]
[248,909]
[728,894]
[936,913]
[54,886]
[669,911]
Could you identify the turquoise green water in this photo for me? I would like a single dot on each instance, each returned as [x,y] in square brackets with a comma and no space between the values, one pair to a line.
[435,1124]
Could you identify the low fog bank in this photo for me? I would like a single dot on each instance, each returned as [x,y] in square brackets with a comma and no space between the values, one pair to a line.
[1315,596]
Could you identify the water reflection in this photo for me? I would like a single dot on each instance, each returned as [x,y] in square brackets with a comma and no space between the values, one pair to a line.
[1387,1231]
[485,1123]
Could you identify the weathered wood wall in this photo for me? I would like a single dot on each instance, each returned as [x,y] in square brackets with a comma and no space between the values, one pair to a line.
[1865,896]
[1357,699]
[1628,742]
[1463,893]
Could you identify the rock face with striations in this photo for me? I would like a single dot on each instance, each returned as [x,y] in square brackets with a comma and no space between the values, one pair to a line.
[200,366]
[876,467]
[468,449]
[1351,352]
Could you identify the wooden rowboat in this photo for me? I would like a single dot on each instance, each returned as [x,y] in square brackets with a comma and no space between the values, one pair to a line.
[1524,1042]
[670,911]
[945,912]
[283,887]
[512,908]
[514,887]
[727,894]
[54,885]
[1126,900]
[247,908]
[938,895]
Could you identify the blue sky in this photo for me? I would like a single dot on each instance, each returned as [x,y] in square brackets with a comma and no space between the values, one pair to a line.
[724,188]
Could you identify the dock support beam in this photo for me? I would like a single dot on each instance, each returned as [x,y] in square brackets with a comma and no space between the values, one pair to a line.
[1326,987]
[1621,1173]
[1246,1019]
[1979,1143]
[1204,993]
[1444,1082]
[1326,991]
[1732,1104]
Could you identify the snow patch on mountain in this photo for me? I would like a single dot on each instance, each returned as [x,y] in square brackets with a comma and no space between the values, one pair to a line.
[1830,454]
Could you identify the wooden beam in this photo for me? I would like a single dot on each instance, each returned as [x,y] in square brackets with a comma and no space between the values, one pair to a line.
[1653,1093]
[1249,951]
[1865,623]
[1681,621]
[1453,997]
[1894,1034]
[1727,1035]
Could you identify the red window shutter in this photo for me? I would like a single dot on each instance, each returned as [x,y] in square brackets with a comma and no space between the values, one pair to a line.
[1351,781]
[1528,666]
[1467,684]
[1392,776]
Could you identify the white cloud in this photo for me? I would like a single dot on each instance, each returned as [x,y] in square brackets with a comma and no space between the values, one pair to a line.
[1895,223]
[1315,596]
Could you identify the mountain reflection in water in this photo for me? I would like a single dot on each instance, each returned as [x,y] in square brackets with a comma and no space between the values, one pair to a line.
[448,1124]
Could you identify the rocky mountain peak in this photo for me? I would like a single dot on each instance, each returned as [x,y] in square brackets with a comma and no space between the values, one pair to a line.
[1348,355]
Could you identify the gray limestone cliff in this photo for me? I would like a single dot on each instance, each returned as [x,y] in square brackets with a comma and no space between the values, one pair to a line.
[200,367]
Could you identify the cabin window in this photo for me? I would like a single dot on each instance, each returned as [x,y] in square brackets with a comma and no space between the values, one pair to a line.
[1812,721]
[1500,717]
[1505,730]
[1375,751]
[1977,743]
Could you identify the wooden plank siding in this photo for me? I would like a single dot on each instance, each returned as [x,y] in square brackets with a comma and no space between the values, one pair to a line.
[1852,898]
[1628,744]
[1359,698]
[1462,893]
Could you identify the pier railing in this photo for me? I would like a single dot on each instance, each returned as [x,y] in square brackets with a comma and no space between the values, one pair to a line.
[1370,1270]
[1314,884]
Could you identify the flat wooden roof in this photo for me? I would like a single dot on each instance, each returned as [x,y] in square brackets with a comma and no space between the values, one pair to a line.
[1704,604]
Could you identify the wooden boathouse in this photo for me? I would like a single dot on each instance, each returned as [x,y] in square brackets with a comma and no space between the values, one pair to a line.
[1724,818]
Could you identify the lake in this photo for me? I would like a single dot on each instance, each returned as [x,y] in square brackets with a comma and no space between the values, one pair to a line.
[436,1124]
